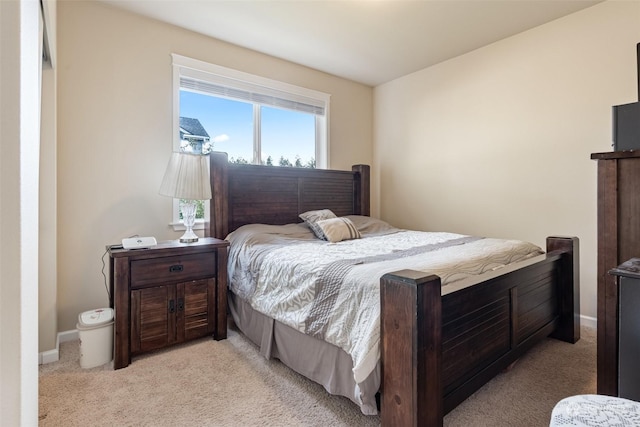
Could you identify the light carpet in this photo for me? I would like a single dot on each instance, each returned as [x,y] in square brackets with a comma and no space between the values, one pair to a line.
[228,383]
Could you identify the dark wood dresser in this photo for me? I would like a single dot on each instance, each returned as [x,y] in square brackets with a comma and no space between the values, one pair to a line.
[618,241]
[167,294]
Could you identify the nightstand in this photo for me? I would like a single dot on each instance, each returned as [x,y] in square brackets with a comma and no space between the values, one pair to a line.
[167,294]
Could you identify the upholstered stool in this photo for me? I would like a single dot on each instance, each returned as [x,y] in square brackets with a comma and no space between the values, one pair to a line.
[591,410]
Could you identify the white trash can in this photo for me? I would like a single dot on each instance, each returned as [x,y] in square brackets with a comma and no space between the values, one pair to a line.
[95,329]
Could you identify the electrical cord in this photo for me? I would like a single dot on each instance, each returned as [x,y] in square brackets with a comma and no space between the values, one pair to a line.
[104,275]
[106,286]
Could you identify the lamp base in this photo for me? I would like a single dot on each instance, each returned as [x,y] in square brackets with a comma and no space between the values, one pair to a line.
[189,236]
[189,217]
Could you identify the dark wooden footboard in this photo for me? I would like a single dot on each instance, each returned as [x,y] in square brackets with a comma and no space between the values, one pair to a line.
[440,345]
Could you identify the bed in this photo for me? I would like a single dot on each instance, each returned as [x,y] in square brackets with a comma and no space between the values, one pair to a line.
[437,344]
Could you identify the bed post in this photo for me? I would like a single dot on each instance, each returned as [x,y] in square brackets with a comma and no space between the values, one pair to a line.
[361,183]
[411,349]
[569,327]
[218,225]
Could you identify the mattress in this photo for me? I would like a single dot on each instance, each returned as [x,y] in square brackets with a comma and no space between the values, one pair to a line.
[330,291]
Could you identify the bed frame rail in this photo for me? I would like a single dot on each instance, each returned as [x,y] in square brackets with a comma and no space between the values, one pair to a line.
[439,347]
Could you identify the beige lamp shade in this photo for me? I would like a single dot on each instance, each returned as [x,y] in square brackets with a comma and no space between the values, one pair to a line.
[187,177]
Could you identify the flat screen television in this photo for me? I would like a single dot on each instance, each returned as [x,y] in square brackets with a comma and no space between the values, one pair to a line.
[626,120]
[626,127]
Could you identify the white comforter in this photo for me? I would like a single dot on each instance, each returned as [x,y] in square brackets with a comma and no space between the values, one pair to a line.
[282,272]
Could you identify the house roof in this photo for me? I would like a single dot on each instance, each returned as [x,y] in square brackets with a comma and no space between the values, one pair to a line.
[192,127]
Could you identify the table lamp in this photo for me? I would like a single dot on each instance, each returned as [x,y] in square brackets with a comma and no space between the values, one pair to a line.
[187,178]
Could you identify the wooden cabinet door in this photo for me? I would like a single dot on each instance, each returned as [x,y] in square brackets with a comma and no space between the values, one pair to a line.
[196,302]
[153,318]
[171,314]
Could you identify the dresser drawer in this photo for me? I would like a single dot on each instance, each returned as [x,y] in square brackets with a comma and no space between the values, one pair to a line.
[172,269]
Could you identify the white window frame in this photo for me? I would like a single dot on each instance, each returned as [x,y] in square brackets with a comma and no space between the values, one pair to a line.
[194,69]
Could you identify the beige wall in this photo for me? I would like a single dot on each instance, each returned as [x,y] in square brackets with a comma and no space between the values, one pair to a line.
[497,142]
[114,133]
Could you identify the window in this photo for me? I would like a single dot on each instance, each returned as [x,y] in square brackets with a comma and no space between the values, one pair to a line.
[251,118]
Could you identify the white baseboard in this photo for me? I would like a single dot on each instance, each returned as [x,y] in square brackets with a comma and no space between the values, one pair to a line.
[68,335]
[589,322]
[54,355]
[50,356]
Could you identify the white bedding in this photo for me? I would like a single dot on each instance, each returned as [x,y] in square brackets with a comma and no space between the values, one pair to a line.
[332,290]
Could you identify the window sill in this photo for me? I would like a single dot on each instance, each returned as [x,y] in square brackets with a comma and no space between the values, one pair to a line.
[179,226]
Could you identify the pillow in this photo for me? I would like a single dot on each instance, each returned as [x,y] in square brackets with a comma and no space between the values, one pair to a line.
[338,229]
[368,226]
[312,217]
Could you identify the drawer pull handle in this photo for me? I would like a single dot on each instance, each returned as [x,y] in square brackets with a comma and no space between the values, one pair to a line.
[180,304]
[172,306]
[175,268]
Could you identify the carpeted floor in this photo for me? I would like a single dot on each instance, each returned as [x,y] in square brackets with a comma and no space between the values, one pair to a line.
[227,383]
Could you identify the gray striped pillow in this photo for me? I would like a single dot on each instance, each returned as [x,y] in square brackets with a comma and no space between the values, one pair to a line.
[311,218]
[338,229]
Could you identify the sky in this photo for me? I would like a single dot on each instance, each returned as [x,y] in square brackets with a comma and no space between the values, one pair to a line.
[229,123]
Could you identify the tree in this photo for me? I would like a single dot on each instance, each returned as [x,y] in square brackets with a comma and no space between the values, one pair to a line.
[311,163]
[196,145]
[199,208]
[239,161]
[284,162]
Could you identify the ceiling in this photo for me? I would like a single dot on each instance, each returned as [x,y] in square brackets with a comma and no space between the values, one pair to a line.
[368,41]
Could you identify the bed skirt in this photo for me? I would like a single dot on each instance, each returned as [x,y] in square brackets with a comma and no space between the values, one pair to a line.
[322,362]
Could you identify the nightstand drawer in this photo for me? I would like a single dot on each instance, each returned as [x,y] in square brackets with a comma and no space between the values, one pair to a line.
[172,269]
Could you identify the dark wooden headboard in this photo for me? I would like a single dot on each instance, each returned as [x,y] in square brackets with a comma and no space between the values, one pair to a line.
[246,194]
